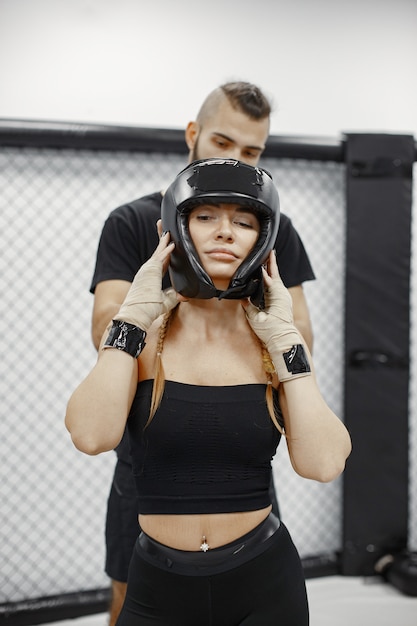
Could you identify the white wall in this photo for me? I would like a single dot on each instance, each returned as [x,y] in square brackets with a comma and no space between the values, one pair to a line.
[329,65]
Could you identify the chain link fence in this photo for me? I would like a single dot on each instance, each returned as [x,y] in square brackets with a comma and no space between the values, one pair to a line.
[313,195]
[53,498]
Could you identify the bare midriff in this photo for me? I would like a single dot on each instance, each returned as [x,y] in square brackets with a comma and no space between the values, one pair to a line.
[189,532]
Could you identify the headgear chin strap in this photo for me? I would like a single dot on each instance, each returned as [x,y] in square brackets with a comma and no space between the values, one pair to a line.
[215,181]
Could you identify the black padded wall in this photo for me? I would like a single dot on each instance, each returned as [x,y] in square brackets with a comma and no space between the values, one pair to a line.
[377,338]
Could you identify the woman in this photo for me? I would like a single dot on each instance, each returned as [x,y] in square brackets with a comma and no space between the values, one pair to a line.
[210,376]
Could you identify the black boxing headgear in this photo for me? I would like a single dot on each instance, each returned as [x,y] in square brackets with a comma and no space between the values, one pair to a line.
[215,181]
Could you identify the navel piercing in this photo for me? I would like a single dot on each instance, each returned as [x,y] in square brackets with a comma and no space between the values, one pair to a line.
[204,546]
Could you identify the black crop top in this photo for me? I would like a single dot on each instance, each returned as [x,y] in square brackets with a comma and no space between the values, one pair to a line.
[207,449]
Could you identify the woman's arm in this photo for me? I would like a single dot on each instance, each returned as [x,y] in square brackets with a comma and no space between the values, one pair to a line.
[318,442]
[98,409]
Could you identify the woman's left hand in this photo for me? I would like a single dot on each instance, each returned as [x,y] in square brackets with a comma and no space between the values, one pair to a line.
[275,326]
[275,321]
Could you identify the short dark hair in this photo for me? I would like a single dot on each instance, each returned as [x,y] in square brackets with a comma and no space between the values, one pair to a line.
[242,96]
[248,98]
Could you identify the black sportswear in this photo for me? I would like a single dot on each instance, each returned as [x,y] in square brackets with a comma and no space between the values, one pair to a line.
[207,449]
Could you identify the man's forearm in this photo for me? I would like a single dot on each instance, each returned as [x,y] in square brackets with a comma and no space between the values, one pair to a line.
[101,321]
[304,327]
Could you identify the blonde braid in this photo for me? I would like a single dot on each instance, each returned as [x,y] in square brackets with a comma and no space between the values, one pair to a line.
[270,369]
[159,376]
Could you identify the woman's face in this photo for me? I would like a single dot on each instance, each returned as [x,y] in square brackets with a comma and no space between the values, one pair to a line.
[223,235]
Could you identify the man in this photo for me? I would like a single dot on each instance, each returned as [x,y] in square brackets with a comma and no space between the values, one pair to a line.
[233,122]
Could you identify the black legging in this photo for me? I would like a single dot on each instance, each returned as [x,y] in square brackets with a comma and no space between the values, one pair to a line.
[267,590]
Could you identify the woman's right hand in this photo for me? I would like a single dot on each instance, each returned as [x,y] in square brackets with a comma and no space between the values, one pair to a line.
[145,300]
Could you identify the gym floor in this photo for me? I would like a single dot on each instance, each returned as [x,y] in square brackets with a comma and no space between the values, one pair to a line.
[335,601]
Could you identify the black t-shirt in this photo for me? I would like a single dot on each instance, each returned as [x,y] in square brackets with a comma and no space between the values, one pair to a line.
[129,237]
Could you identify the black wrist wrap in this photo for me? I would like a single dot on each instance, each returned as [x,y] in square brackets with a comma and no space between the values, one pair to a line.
[296,360]
[126,337]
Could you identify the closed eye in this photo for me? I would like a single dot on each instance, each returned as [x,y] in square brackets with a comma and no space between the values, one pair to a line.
[244,224]
[251,155]
[219,143]
[203,217]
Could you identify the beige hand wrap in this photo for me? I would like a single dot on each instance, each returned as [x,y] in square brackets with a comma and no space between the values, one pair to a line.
[275,327]
[145,300]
